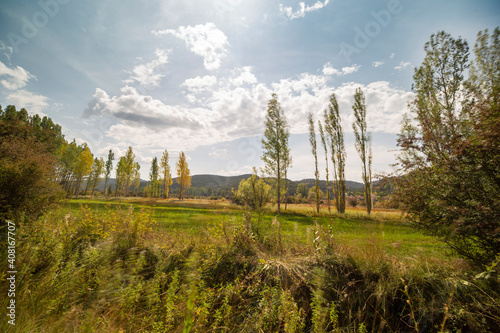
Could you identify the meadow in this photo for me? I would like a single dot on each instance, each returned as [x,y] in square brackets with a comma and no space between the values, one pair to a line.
[138,265]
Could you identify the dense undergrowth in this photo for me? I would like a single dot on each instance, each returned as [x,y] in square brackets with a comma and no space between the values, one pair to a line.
[117,271]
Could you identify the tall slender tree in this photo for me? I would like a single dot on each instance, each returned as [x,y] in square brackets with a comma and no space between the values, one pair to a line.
[128,168]
[136,176]
[276,154]
[312,141]
[153,179]
[333,127]
[109,167]
[96,173]
[363,145]
[325,147]
[183,175]
[166,176]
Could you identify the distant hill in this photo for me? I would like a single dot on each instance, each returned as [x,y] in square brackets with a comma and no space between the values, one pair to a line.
[225,183]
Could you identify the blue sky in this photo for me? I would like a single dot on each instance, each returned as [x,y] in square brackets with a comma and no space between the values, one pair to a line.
[196,76]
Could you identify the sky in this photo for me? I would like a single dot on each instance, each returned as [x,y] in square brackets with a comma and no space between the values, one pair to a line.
[196,76]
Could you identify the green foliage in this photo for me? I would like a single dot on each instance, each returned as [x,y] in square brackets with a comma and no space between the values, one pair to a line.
[154,184]
[450,149]
[333,127]
[276,155]
[302,190]
[253,192]
[312,141]
[363,145]
[28,147]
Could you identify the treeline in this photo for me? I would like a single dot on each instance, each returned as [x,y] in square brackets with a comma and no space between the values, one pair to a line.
[38,166]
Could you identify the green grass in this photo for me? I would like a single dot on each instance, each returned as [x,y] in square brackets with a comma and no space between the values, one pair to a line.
[354,229]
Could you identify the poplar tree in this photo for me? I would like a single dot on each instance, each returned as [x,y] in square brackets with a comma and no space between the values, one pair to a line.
[128,168]
[165,173]
[323,143]
[136,176]
[363,145]
[109,167]
[183,175]
[96,173]
[276,156]
[153,178]
[312,141]
[333,127]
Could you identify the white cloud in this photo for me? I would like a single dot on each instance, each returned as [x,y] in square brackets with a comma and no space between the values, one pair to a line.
[204,40]
[303,9]
[25,99]
[350,70]
[377,63]
[145,74]
[245,76]
[402,65]
[14,78]
[330,71]
[6,50]
[233,111]
[200,84]
[139,110]
[391,56]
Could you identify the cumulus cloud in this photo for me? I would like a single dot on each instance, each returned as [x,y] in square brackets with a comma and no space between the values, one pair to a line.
[205,40]
[139,110]
[200,84]
[331,71]
[235,108]
[146,74]
[402,65]
[301,12]
[25,99]
[245,76]
[14,78]
[377,63]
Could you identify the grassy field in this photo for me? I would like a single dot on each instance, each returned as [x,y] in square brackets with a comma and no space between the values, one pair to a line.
[383,229]
[135,265]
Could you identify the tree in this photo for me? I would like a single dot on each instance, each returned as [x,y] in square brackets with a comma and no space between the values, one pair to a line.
[183,175]
[68,156]
[302,190]
[96,173]
[276,154]
[120,176]
[450,146]
[253,192]
[26,178]
[109,167]
[129,166]
[136,176]
[83,167]
[166,176]
[153,179]
[363,145]
[325,147]
[335,133]
[312,141]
